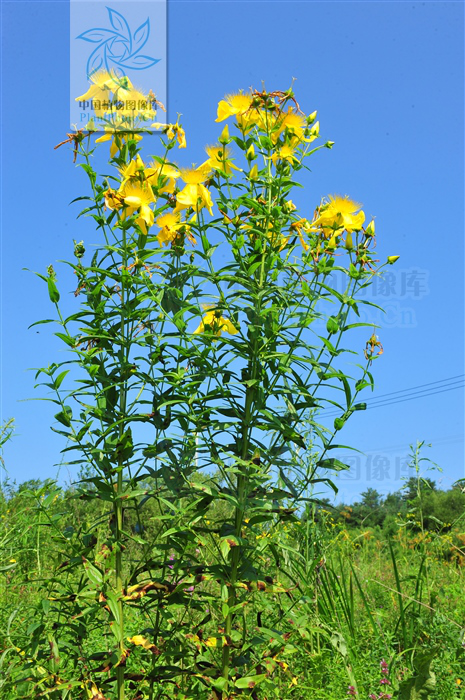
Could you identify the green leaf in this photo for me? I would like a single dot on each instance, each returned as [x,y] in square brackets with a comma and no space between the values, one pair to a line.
[225,548]
[219,684]
[95,576]
[58,380]
[423,684]
[158,448]
[124,447]
[362,384]
[339,643]
[45,320]
[250,681]
[331,463]
[8,566]
[53,292]
[65,338]
[64,417]
[332,324]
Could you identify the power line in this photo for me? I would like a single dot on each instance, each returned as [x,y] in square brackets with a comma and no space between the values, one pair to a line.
[421,392]
[379,402]
[446,440]
[439,381]
[453,380]
[408,398]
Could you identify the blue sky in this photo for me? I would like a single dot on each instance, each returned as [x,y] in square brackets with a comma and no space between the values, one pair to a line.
[387,79]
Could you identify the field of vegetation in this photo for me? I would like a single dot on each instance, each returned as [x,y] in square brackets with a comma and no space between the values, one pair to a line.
[360,601]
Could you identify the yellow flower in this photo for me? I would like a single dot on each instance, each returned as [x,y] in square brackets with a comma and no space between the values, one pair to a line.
[139,196]
[339,214]
[170,225]
[302,224]
[141,641]
[259,117]
[233,105]
[131,105]
[113,200]
[103,83]
[214,322]
[284,153]
[294,123]
[157,172]
[240,106]
[116,99]
[181,137]
[135,169]
[12,561]
[194,190]
[219,158]
[173,131]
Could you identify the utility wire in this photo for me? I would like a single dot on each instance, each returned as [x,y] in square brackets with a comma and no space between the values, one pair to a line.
[421,392]
[454,380]
[446,440]
[380,400]
[408,398]
[440,381]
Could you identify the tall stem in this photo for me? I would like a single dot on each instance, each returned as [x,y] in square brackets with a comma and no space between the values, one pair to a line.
[118,503]
[243,476]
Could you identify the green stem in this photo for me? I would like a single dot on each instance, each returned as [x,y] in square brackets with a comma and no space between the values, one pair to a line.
[118,503]
[243,477]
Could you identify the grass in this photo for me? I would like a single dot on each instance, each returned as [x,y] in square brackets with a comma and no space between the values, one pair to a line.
[349,600]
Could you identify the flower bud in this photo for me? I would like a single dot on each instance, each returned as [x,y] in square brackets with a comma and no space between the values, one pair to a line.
[79,249]
[349,242]
[289,206]
[370,229]
[253,175]
[315,131]
[311,118]
[329,144]
[224,136]
[332,243]
[392,259]
[250,155]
